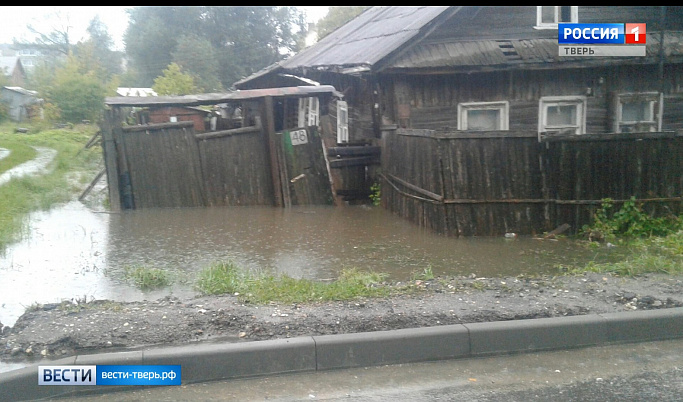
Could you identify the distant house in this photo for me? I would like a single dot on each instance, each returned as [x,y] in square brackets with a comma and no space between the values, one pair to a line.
[23,104]
[12,67]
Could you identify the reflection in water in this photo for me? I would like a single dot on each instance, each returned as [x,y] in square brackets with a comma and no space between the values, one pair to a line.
[72,252]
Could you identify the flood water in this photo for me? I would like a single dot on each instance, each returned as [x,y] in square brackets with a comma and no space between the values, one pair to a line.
[72,252]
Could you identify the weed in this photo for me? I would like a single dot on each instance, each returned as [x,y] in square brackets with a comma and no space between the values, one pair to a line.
[147,278]
[629,221]
[375,194]
[226,277]
[425,275]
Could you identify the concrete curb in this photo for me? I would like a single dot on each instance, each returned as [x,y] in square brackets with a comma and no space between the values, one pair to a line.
[210,362]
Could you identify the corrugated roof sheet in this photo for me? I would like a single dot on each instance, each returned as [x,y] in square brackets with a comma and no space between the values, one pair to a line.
[363,41]
[367,38]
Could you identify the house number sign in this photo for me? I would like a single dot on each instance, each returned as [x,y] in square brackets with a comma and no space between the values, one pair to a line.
[299,137]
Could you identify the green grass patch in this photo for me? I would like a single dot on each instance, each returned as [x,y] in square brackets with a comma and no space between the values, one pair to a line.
[655,254]
[147,278]
[20,196]
[19,153]
[261,288]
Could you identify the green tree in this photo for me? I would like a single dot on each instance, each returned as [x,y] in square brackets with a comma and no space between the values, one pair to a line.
[197,57]
[174,81]
[78,96]
[98,49]
[336,17]
[244,39]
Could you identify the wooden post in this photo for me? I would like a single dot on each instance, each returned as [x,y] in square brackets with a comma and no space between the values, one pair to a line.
[111,159]
[271,139]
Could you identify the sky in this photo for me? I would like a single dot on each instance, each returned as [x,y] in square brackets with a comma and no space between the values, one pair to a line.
[15,19]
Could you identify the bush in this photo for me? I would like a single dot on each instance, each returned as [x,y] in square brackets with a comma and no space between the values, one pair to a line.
[629,221]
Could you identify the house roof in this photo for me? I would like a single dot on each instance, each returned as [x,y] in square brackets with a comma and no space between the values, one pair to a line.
[22,91]
[8,63]
[363,41]
[390,39]
[124,91]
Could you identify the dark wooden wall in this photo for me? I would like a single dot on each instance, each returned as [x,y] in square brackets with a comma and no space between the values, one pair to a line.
[490,184]
[431,101]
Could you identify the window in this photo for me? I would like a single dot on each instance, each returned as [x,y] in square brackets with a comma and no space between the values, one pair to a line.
[547,17]
[483,116]
[309,110]
[562,115]
[638,112]
[342,122]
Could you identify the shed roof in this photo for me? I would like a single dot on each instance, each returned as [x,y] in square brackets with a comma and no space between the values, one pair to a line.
[215,98]
[22,91]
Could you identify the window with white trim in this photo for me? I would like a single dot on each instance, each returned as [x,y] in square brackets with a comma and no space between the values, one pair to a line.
[562,115]
[483,116]
[342,122]
[638,112]
[547,17]
[309,110]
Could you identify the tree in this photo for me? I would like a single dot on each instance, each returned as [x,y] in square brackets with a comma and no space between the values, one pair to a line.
[174,81]
[52,43]
[197,57]
[99,47]
[244,39]
[78,96]
[336,17]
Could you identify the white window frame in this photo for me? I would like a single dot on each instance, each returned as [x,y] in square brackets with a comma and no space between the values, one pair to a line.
[574,15]
[309,112]
[502,106]
[655,100]
[342,122]
[549,101]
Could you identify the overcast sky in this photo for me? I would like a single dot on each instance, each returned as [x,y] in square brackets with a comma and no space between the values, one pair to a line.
[15,19]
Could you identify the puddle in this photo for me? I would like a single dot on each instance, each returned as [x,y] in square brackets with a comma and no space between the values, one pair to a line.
[72,252]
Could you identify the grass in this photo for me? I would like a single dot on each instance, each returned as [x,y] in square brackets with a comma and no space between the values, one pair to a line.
[147,278]
[226,277]
[19,153]
[649,244]
[655,254]
[20,196]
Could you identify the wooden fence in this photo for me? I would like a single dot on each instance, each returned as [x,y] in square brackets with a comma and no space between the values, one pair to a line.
[488,184]
[169,165]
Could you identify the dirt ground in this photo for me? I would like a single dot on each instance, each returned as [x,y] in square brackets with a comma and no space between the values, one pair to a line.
[61,330]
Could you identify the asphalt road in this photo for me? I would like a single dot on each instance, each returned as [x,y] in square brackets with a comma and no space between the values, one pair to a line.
[650,371]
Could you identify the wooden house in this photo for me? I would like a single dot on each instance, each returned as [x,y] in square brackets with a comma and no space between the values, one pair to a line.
[486,128]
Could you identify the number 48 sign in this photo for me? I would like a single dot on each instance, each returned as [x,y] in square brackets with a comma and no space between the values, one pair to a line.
[299,137]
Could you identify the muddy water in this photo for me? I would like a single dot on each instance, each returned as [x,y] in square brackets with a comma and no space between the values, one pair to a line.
[72,252]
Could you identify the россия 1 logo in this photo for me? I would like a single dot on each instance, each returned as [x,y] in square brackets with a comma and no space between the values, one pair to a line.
[616,34]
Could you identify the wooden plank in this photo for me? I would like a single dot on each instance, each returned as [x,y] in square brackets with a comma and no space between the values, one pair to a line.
[360,161]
